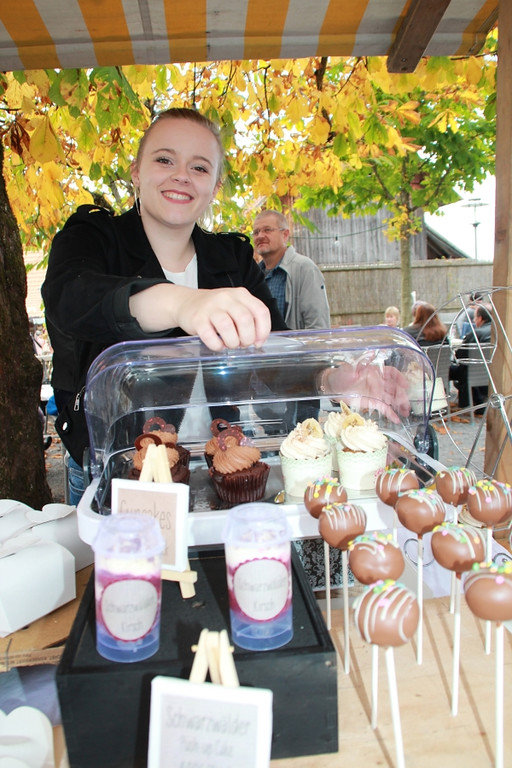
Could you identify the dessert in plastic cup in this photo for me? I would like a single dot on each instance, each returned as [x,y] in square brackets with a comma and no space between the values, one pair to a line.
[305,456]
[258,568]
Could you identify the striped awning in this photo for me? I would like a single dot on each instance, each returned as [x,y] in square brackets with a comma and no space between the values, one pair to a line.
[37,34]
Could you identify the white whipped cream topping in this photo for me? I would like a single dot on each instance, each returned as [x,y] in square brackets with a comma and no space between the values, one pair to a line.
[306,441]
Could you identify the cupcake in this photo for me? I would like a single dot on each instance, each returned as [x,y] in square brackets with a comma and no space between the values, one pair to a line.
[212,445]
[168,435]
[237,473]
[179,472]
[362,453]
[305,456]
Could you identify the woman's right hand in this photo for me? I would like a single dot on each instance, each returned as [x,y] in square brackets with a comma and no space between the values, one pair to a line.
[221,317]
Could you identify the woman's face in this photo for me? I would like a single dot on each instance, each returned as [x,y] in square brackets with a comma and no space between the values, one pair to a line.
[391,320]
[177,172]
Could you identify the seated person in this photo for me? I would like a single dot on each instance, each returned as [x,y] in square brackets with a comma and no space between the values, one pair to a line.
[459,371]
[426,326]
[392,317]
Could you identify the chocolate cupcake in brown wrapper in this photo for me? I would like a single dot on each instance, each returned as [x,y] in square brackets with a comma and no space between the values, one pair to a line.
[217,427]
[167,434]
[237,473]
[178,463]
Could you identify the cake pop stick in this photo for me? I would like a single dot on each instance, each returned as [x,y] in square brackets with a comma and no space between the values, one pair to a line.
[498,738]
[325,490]
[453,484]
[375,684]
[490,502]
[338,524]
[386,614]
[457,548]
[327,585]
[420,511]
[488,590]
[395,711]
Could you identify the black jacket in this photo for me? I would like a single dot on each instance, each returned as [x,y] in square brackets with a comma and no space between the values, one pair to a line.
[482,333]
[98,261]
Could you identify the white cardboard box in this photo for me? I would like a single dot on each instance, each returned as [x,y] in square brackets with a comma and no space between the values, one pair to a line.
[34,582]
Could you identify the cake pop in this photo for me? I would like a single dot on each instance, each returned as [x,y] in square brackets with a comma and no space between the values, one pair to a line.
[489,502]
[457,548]
[386,614]
[374,557]
[338,524]
[420,511]
[326,490]
[392,481]
[488,590]
[453,484]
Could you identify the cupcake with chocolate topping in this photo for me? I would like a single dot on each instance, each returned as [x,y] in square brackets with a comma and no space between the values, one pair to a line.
[217,427]
[179,472]
[237,473]
[168,435]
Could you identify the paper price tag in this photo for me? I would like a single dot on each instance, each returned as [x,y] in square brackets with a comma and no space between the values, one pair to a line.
[168,503]
[208,726]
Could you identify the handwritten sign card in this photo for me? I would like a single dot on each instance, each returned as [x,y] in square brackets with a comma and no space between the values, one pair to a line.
[169,503]
[208,726]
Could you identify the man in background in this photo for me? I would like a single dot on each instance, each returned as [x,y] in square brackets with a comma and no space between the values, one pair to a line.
[481,330]
[298,287]
[294,280]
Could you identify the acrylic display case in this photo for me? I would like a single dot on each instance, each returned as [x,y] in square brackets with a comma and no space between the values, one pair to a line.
[265,391]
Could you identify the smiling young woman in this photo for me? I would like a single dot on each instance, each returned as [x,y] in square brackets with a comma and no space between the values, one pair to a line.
[152,272]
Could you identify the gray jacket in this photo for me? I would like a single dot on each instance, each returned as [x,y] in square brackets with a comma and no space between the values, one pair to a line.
[306,297]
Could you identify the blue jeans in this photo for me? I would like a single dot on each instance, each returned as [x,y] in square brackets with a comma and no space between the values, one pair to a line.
[76,481]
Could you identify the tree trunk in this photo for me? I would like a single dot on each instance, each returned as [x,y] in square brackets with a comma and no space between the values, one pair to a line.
[406,293]
[22,466]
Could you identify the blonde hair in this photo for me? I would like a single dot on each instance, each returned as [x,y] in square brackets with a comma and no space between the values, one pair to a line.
[392,311]
[185,113]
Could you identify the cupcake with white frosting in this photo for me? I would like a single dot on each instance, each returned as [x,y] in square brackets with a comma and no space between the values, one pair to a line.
[362,452]
[305,456]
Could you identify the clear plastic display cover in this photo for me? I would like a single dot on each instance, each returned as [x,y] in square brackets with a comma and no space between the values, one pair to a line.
[378,371]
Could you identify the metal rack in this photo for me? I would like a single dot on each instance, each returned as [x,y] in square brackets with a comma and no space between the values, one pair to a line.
[480,369]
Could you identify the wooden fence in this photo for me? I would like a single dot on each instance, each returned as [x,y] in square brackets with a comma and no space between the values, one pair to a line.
[359,294]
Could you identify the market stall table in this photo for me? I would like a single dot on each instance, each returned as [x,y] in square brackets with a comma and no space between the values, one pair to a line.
[432,737]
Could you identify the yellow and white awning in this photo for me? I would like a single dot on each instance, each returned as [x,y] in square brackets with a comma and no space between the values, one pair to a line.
[37,34]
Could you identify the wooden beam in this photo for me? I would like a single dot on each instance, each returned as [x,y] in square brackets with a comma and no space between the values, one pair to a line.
[415,33]
[502,269]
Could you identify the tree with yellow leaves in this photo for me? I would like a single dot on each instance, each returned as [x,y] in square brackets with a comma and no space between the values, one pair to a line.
[337,133]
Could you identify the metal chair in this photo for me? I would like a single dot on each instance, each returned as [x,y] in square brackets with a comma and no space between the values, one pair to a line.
[440,355]
[477,359]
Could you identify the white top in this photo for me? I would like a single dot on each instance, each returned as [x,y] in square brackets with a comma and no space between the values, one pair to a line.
[196,422]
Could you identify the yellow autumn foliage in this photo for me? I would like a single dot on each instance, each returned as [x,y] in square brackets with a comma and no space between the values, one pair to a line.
[287,125]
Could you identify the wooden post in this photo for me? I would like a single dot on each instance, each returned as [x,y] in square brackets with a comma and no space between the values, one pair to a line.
[502,272]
